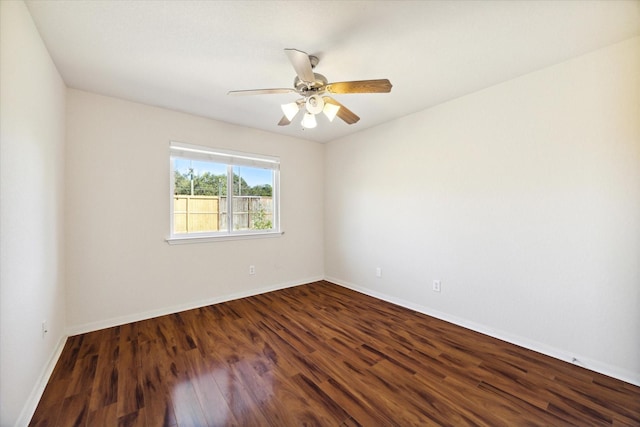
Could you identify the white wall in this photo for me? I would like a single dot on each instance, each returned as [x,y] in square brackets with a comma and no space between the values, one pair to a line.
[523,199]
[119,267]
[32,134]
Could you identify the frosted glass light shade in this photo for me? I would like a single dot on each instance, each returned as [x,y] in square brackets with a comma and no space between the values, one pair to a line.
[309,121]
[314,104]
[290,110]
[330,110]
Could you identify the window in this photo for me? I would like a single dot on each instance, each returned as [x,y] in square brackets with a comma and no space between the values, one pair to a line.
[203,207]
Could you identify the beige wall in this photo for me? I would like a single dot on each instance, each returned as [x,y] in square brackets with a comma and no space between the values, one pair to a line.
[32,108]
[118,168]
[522,199]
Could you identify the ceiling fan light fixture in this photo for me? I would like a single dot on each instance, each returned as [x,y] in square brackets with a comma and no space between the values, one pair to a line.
[290,110]
[330,110]
[314,104]
[313,89]
[309,121]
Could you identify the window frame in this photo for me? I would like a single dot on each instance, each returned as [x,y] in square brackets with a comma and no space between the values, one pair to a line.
[230,159]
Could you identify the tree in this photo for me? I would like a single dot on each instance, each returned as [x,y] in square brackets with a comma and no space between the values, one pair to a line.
[182,183]
[208,184]
[240,186]
[263,190]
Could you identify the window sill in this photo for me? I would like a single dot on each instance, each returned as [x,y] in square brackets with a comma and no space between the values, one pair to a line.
[221,238]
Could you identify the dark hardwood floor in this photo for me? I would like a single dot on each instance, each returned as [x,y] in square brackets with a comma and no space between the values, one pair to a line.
[318,354]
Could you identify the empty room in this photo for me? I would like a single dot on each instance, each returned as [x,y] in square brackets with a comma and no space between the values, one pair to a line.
[434,215]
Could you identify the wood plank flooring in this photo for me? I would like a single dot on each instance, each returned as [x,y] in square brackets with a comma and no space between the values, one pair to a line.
[318,355]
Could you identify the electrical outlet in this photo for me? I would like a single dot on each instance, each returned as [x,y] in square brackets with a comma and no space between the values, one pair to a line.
[252,269]
[45,328]
[436,286]
[378,272]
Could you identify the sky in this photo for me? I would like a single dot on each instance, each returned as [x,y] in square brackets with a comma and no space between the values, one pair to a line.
[253,176]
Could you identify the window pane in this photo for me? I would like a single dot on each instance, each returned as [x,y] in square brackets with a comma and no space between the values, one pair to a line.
[199,201]
[220,193]
[252,198]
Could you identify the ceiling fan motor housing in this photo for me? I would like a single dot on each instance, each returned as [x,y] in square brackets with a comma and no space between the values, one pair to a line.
[304,88]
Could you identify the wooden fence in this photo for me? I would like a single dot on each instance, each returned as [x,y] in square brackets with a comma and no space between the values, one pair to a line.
[197,214]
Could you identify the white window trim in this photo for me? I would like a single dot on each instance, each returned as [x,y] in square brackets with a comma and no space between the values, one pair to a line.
[230,158]
[220,238]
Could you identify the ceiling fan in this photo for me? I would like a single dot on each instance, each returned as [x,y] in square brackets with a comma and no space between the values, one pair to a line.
[315,89]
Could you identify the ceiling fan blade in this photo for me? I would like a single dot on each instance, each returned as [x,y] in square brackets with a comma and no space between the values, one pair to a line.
[259,91]
[301,64]
[348,116]
[362,86]
[284,121]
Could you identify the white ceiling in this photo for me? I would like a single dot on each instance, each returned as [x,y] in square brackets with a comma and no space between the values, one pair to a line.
[186,55]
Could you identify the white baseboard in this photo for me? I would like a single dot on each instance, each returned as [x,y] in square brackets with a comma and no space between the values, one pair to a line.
[31,404]
[136,317]
[593,365]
